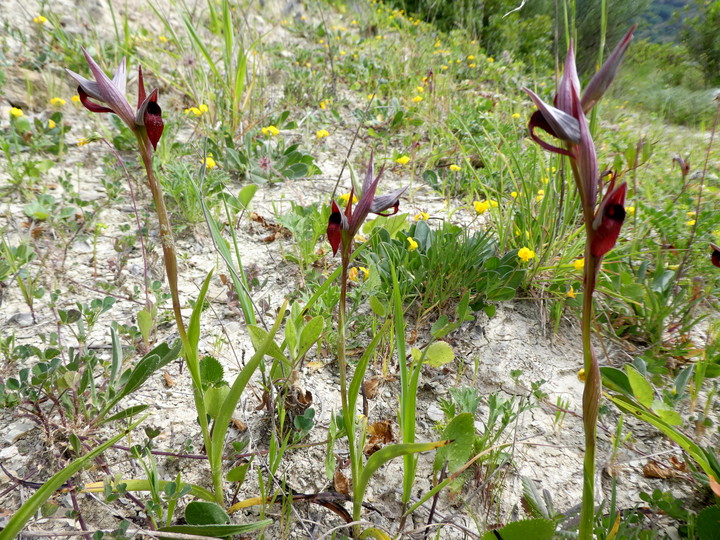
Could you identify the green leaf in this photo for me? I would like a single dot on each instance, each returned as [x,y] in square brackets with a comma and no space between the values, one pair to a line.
[214,397]
[439,353]
[377,306]
[641,388]
[211,371]
[666,412]
[205,513]
[144,320]
[310,334]
[237,474]
[216,531]
[461,431]
[258,336]
[708,523]
[616,380]
[537,529]
[125,413]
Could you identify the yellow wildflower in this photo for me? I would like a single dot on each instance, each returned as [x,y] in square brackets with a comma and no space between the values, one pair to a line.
[493,204]
[75,99]
[545,180]
[57,102]
[417,99]
[690,214]
[270,130]
[526,254]
[490,60]
[472,65]
[443,67]
[581,375]
[365,271]
[420,89]
[690,223]
[413,245]
[193,110]
[370,96]
[345,197]
[39,20]
[402,160]
[360,238]
[83,142]
[481,206]
[422,216]
[630,210]
[516,115]
[203,108]
[162,39]
[570,293]
[455,168]
[322,105]
[16,112]
[322,133]
[579,264]
[51,124]
[514,194]
[540,195]
[210,162]
[471,57]
[353,274]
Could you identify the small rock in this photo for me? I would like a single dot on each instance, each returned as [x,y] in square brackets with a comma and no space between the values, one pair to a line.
[22,319]
[15,430]
[435,414]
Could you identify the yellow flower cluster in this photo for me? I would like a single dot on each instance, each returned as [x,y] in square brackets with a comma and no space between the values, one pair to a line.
[39,20]
[345,197]
[16,113]
[209,161]
[402,160]
[321,134]
[525,254]
[51,124]
[417,99]
[354,273]
[75,99]
[57,102]
[197,111]
[422,216]
[455,168]
[270,131]
[579,264]
[412,244]
[483,206]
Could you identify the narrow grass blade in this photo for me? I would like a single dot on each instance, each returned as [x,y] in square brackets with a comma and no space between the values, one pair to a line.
[144,485]
[27,510]
[382,456]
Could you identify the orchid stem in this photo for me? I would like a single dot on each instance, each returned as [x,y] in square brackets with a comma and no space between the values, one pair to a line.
[348,415]
[591,397]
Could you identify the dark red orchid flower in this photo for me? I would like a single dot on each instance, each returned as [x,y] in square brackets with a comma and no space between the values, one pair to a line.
[715,257]
[608,221]
[146,120]
[343,226]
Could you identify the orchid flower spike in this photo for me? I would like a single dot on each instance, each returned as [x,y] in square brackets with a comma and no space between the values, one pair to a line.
[343,226]
[565,119]
[146,121]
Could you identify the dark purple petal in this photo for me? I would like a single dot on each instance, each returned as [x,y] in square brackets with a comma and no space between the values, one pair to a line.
[601,81]
[369,174]
[89,105]
[538,120]
[569,81]
[89,87]
[141,88]
[383,202]
[113,93]
[561,124]
[585,157]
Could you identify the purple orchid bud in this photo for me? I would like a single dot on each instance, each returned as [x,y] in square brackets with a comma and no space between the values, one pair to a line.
[111,93]
[602,80]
